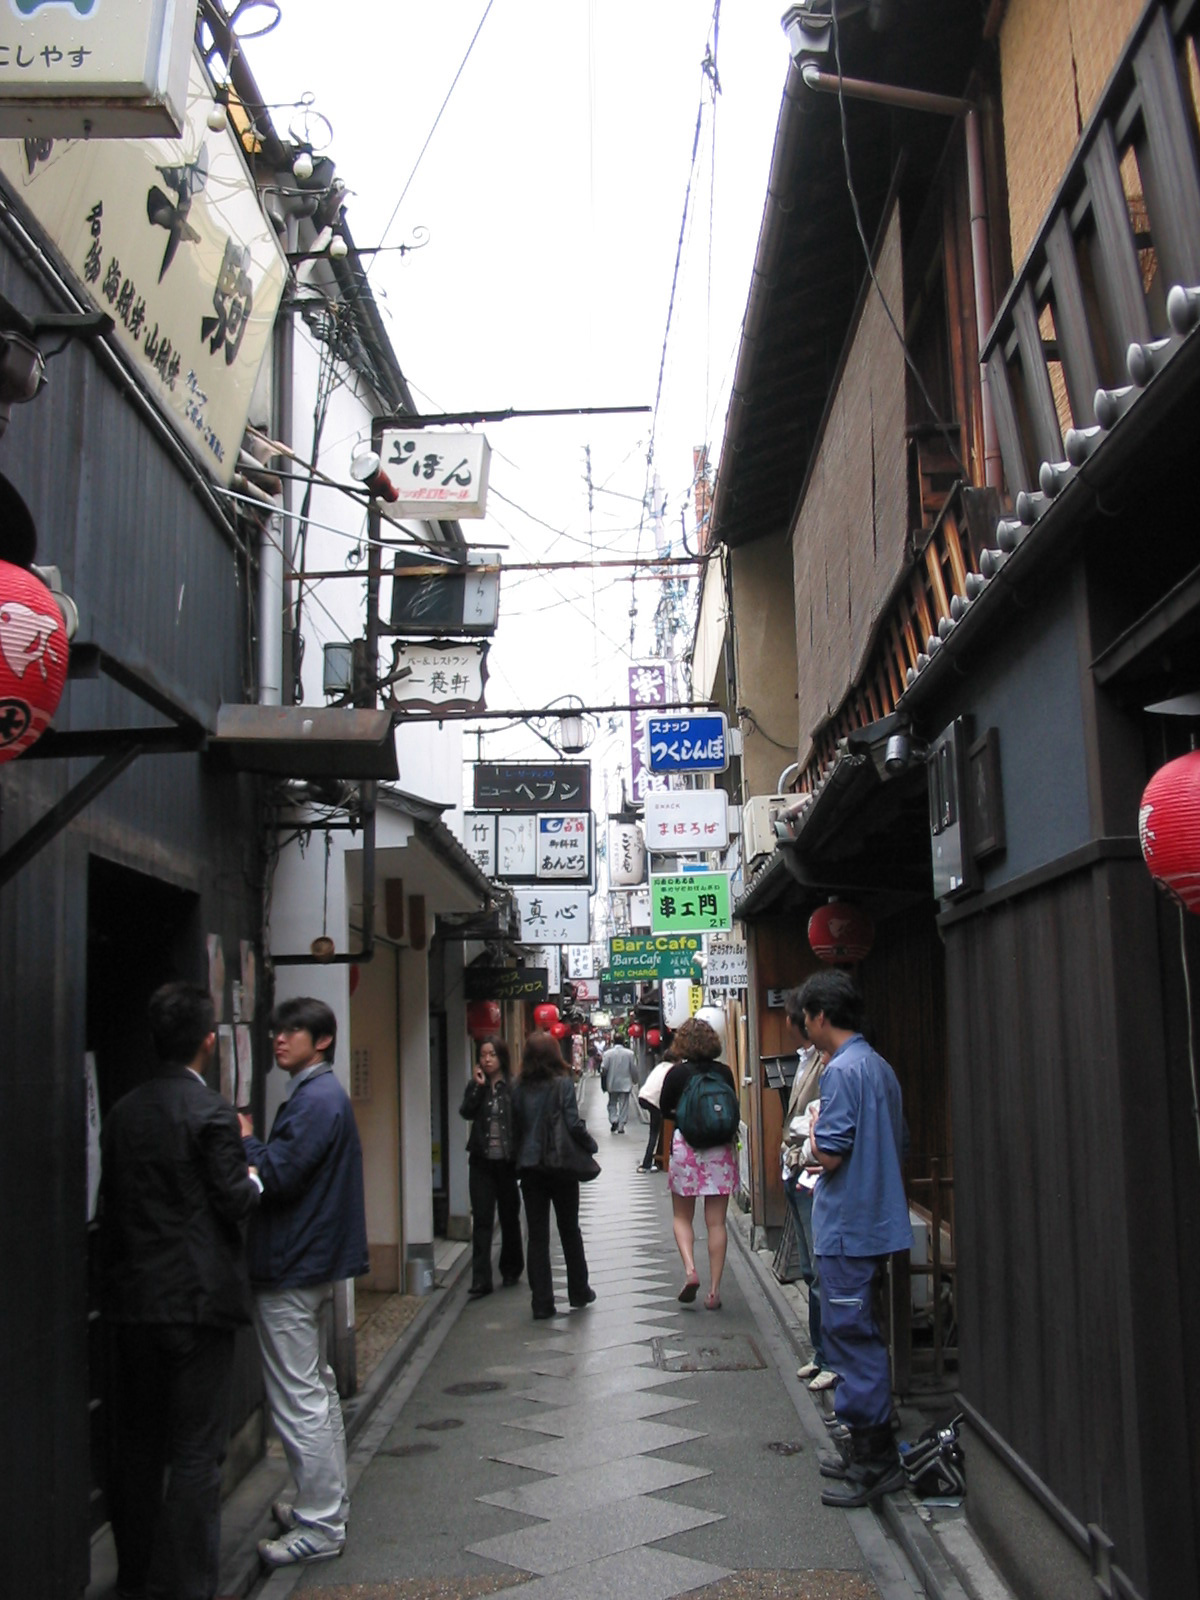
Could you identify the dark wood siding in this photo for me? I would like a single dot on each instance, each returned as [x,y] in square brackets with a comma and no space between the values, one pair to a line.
[154,579]
[1071,1332]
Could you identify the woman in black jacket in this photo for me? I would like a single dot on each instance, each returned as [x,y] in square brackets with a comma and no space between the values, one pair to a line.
[492,1172]
[544,1078]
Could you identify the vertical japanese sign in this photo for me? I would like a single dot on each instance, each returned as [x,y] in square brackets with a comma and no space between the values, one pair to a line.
[564,847]
[648,688]
[479,840]
[168,237]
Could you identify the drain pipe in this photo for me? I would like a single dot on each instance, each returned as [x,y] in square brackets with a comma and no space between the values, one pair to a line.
[944,105]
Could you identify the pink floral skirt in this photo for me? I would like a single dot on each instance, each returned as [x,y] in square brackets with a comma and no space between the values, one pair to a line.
[693,1172]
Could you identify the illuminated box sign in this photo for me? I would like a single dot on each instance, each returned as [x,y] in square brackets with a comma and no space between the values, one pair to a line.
[686,819]
[552,916]
[94,69]
[453,600]
[688,744]
[727,966]
[617,994]
[690,903]
[167,236]
[643,958]
[505,983]
[436,474]
[548,786]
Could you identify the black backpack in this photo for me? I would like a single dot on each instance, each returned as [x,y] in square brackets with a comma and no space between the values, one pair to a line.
[708,1113]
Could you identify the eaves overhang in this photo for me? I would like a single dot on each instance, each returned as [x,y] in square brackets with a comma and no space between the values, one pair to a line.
[306,742]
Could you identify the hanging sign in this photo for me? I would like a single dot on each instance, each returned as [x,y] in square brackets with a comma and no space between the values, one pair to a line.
[505,983]
[686,819]
[642,958]
[459,599]
[436,474]
[518,786]
[697,743]
[552,916]
[727,964]
[438,676]
[581,961]
[94,69]
[690,903]
[479,840]
[626,855]
[564,847]
[647,688]
[618,995]
[550,957]
[168,237]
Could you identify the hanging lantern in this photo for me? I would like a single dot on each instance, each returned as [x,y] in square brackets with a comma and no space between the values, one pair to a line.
[654,1038]
[635,1030]
[483,1018]
[544,1017]
[559,1030]
[33,659]
[840,933]
[1169,828]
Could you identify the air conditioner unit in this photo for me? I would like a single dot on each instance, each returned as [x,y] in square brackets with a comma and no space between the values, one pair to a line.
[758,825]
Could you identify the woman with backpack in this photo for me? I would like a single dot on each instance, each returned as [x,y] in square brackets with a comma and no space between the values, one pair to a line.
[544,1090]
[700,1094]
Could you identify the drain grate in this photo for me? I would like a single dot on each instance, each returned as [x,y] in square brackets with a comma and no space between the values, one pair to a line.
[733,1352]
[479,1386]
[786,1447]
[419,1447]
[441,1424]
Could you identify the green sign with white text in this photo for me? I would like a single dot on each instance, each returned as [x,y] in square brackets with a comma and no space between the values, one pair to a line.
[690,902]
[642,958]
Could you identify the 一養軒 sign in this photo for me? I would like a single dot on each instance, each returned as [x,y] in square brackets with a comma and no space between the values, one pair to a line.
[686,819]
[438,675]
[436,474]
[690,903]
[643,958]
[693,743]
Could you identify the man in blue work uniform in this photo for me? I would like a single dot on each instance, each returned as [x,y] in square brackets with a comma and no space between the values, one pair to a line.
[860,1216]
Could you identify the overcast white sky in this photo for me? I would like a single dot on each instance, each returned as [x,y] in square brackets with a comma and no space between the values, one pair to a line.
[553,191]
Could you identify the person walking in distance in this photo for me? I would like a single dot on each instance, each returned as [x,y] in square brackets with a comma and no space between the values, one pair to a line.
[491,1169]
[700,1095]
[309,1233]
[860,1217]
[618,1072]
[174,1189]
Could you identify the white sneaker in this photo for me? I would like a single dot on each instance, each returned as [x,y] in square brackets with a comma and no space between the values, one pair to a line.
[300,1546]
[804,1373]
[823,1380]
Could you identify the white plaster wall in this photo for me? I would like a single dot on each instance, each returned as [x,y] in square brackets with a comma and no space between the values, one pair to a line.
[416,1161]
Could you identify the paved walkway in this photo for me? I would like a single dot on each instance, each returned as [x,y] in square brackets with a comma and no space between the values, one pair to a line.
[637,1448]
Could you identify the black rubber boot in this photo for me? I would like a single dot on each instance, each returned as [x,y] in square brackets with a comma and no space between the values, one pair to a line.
[874,1470]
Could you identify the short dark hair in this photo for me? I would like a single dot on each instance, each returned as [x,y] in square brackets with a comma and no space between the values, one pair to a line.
[695,1040]
[541,1059]
[310,1016]
[182,1016]
[501,1049]
[835,993]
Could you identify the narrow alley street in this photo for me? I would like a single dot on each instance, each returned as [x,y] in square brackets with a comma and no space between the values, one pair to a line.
[637,1448]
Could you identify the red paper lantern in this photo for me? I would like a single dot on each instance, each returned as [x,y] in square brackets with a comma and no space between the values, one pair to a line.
[635,1030]
[654,1038]
[559,1030]
[839,932]
[33,659]
[483,1018]
[1169,828]
[544,1016]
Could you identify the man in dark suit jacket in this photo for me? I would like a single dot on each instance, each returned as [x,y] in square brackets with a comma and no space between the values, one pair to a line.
[174,1188]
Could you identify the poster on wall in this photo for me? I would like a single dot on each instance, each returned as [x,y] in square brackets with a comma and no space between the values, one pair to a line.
[168,237]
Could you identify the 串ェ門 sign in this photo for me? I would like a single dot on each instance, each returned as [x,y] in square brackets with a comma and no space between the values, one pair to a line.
[690,902]
[641,958]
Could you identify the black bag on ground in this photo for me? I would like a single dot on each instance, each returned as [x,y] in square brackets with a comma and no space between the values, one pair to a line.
[708,1113]
[561,1151]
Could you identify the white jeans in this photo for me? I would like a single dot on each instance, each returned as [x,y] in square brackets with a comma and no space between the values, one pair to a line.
[302,1394]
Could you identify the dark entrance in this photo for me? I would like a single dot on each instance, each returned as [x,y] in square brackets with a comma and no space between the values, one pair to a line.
[141,933]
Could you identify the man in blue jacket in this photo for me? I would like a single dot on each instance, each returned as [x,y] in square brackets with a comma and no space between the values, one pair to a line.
[308,1233]
[860,1217]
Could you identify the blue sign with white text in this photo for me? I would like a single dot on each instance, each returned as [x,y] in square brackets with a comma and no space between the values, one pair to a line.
[688,744]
